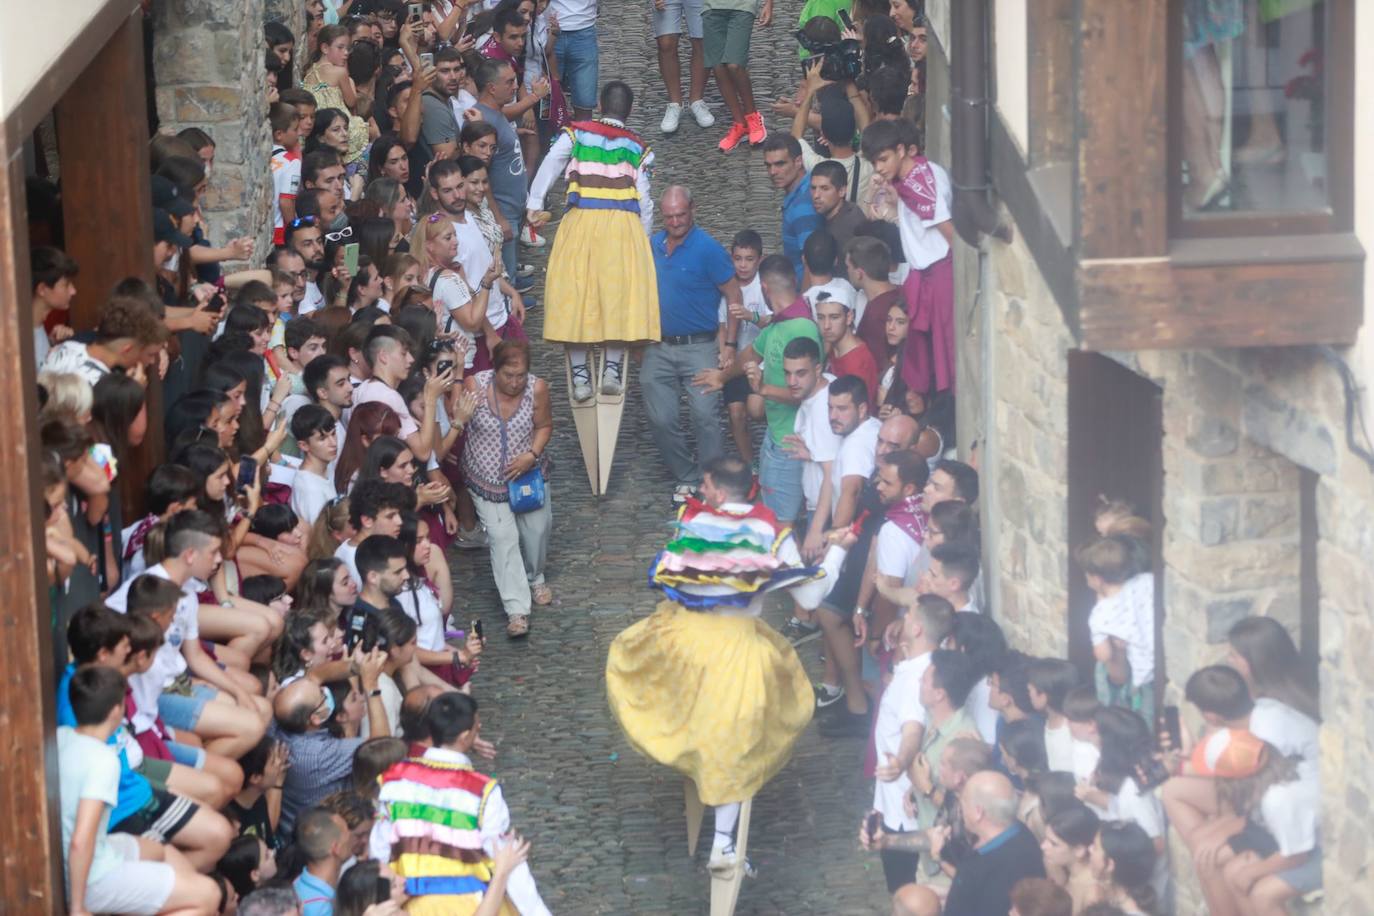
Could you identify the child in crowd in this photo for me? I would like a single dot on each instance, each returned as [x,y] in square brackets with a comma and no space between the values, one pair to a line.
[286,167]
[742,326]
[1121,624]
[1048,681]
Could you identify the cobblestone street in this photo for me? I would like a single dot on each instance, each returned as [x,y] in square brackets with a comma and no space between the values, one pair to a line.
[607,825]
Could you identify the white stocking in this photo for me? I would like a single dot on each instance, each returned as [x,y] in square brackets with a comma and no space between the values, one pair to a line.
[727,816]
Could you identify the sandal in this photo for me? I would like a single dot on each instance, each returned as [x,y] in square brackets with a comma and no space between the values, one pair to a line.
[542,594]
[519,626]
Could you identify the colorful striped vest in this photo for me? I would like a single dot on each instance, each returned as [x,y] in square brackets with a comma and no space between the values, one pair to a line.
[434,809]
[604,167]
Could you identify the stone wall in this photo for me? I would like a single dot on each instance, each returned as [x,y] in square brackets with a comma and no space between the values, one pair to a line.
[208,61]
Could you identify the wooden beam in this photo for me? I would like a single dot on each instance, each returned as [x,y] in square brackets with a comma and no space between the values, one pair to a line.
[1050,80]
[1122,150]
[107,206]
[30,832]
[1154,304]
[102,145]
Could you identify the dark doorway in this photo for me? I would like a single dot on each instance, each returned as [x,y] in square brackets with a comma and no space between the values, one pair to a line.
[1115,448]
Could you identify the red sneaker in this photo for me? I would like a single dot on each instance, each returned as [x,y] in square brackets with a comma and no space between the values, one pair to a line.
[732,139]
[757,132]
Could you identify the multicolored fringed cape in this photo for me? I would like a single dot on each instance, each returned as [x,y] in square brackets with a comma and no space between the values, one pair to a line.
[723,557]
[604,169]
[435,811]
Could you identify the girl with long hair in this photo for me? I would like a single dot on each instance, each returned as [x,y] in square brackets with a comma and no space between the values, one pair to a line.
[1067,846]
[1123,862]
[427,599]
[368,421]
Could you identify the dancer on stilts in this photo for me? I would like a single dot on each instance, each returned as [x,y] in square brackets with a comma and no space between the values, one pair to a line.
[600,287]
[703,685]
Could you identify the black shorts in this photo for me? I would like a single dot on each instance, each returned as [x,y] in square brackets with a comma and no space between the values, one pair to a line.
[844,597]
[160,819]
[737,390]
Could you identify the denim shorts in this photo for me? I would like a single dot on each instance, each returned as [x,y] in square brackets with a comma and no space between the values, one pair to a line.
[780,480]
[184,712]
[669,20]
[187,755]
[578,60]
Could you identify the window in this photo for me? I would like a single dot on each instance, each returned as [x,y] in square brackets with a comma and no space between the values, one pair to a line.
[1260,116]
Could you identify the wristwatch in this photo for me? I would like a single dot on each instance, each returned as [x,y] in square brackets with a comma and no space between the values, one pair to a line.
[375,692]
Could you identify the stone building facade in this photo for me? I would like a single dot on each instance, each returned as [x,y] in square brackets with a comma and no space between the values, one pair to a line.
[208,63]
[1266,505]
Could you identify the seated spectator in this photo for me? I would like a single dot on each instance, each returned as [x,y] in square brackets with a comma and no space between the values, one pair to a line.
[1040,897]
[271,901]
[318,763]
[1123,863]
[323,843]
[316,433]
[257,808]
[1067,846]
[374,507]
[366,884]
[112,872]
[248,865]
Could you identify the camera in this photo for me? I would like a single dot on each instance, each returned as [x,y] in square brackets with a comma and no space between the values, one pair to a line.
[841,61]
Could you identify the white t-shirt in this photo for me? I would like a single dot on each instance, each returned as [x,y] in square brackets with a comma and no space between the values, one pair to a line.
[73,358]
[1059,748]
[375,390]
[460,104]
[922,243]
[450,292]
[901,703]
[286,180]
[313,300]
[856,458]
[88,768]
[168,663]
[391,702]
[1291,812]
[422,606]
[1129,616]
[310,493]
[1288,730]
[898,554]
[751,295]
[1143,808]
[979,707]
[813,426]
[475,256]
[574,15]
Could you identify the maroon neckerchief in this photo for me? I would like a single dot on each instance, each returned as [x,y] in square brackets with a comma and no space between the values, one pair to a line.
[917,189]
[910,516]
[134,545]
[798,309]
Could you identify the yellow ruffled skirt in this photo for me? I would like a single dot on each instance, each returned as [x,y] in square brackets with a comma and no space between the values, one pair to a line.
[600,284]
[719,699]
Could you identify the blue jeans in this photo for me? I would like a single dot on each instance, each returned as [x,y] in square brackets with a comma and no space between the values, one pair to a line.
[780,479]
[183,712]
[578,60]
[666,374]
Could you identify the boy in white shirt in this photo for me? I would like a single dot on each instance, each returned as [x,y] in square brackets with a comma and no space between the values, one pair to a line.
[1121,624]
[742,327]
[112,873]
[1049,681]
[316,435]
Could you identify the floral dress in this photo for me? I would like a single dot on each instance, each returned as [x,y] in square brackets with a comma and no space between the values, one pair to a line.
[329,96]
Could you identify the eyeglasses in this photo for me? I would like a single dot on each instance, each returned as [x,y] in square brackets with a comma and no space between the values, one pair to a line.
[345,233]
[304,221]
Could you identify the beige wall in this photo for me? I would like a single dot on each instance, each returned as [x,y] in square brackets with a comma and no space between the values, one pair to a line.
[1011,46]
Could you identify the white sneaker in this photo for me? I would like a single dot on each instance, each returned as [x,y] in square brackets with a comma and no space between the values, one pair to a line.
[529,238]
[672,117]
[703,115]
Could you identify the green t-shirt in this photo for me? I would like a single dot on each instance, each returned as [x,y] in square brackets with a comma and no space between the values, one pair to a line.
[770,343]
[830,9]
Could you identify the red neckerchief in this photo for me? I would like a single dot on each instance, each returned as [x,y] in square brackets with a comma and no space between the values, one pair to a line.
[910,516]
[917,189]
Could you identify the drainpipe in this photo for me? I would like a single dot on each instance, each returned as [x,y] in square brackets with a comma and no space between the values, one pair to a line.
[973,213]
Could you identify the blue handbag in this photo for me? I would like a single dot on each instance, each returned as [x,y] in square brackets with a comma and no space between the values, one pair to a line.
[526,492]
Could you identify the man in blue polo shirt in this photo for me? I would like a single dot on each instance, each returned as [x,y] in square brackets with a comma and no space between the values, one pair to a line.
[694,271]
[782,157]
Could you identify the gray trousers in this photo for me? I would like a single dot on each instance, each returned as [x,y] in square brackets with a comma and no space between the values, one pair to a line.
[519,547]
[667,372]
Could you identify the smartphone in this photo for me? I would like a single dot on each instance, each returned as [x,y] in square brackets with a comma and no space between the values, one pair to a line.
[1152,773]
[477,629]
[1169,725]
[444,365]
[844,17]
[248,472]
[427,59]
[351,258]
[414,10]
[217,303]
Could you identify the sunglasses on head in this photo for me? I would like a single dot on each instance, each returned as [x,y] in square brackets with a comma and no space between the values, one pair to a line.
[304,221]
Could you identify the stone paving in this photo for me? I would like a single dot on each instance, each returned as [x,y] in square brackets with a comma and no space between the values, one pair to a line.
[607,825]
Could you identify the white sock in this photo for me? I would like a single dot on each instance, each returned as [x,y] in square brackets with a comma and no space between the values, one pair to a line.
[577,359]
[615,355]
[727,816]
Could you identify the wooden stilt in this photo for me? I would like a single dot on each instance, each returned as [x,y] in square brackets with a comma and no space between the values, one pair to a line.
[694,811]
[598,420]
[725,888]
[584,418]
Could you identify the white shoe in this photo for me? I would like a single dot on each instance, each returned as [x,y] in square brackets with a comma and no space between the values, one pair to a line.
[582,384]
[724,861]
[611,383]
[672,117]
[529,238]
[703,115]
